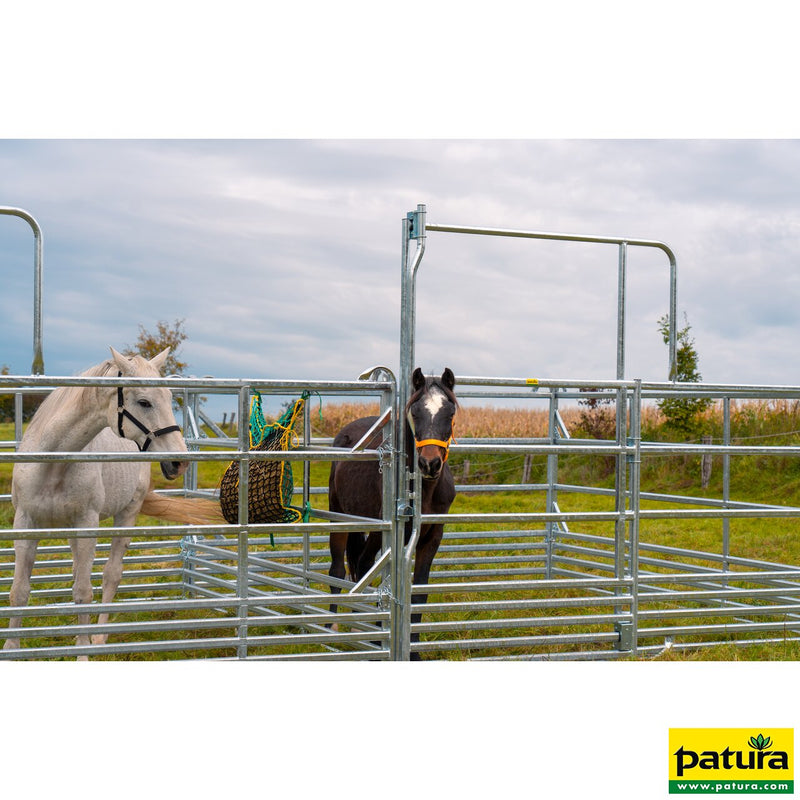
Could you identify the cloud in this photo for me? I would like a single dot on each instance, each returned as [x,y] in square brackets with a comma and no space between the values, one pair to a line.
[283,256]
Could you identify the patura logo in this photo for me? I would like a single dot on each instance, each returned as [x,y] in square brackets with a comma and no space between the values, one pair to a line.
[731,761]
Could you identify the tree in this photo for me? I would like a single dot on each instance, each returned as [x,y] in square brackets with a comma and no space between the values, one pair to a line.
[596,420]
[151,344]
[682,413]
[30,402]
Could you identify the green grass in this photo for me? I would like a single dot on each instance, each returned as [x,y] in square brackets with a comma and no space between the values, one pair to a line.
[756,479]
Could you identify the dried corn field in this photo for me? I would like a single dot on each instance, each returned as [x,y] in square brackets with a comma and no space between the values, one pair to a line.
[473,421]
[749,419]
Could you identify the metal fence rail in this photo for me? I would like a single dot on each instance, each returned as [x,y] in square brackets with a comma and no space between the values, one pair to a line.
[556,581]
[544,565]
[211,591]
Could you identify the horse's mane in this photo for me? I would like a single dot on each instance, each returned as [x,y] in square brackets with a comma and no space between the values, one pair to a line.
[76,398]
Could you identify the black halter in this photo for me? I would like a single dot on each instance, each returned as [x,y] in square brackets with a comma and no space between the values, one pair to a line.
[123,412]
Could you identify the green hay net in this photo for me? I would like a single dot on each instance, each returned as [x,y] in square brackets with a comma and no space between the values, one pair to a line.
[270,481]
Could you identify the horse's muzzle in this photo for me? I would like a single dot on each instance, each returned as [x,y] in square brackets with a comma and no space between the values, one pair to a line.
[430,463]
[173,469]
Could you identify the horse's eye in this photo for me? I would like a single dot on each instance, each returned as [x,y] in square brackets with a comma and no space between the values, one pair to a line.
[145,404]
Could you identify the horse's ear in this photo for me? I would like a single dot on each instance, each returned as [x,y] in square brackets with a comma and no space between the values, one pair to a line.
[417,379]
[159,360]
[123,362]
[448,379]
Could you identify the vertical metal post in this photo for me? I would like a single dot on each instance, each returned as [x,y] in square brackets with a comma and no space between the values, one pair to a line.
[620,483]
[37,368]
[188,541]
[636,462]
[673,316]
[726,481]
[552,480]
[242,543]
[190,476]
[413,229]
[306,495]
[622,275]
[388,503]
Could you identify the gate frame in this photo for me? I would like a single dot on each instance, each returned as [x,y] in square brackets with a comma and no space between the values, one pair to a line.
[628,447]
[37,368]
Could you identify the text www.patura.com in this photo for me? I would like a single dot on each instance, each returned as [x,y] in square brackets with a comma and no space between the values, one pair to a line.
[722,787]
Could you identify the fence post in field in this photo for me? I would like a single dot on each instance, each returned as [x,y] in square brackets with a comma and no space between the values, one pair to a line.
[526,468]
[705,465]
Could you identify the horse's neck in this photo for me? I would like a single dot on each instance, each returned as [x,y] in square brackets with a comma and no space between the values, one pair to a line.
[67,427]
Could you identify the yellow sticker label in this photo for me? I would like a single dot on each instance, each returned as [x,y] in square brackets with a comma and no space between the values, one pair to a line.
[717,756]
[532,381]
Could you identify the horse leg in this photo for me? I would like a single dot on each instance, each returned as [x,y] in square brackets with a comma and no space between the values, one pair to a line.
[427,547]
[24,558]
[112,575]
[337,544]
[367,556]
[83,560]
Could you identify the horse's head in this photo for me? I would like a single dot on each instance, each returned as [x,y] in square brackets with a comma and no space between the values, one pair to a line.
[143,414]
[430,411]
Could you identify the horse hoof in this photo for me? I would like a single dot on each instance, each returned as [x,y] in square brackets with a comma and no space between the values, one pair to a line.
[11,644]
[335,627]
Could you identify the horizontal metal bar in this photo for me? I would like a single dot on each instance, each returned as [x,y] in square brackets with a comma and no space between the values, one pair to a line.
[750,576]
[227,385]
[8,534]
[508,623]
[531,585]
[551,236]
[722,629]
[299,454]
[183,645]
[485,606]
[216,623]
[719,611]
[511,518]
[494,574]
[701,595]
[553,640]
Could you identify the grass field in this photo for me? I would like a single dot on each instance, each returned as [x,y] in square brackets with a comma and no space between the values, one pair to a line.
[756,479]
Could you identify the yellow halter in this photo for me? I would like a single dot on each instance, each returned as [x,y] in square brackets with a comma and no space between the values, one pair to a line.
[446,445]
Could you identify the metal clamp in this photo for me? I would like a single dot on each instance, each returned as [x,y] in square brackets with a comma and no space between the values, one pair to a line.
[385,597]
[625,631]
[416,223]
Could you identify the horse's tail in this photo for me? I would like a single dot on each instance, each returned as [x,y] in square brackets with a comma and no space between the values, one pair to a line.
[355,544]
[183,510]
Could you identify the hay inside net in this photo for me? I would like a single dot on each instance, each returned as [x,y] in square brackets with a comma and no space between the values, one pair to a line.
[270,481]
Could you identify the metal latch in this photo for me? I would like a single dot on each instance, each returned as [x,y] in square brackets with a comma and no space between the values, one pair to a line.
[416,223]
[625,631]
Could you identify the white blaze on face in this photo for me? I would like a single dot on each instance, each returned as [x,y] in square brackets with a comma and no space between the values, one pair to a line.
[434,402]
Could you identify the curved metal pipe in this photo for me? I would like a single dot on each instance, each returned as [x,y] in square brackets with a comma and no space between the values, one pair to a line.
[37,368]
[623,243]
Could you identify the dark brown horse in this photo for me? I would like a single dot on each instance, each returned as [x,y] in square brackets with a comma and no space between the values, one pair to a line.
[355,486]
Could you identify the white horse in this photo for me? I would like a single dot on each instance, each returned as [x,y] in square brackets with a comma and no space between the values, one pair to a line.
[78,494]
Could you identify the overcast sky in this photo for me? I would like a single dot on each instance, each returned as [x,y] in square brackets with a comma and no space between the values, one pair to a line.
[283,256]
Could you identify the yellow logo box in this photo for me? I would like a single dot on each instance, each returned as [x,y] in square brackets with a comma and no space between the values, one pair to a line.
[738,754]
